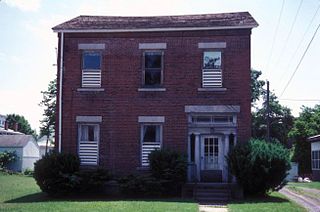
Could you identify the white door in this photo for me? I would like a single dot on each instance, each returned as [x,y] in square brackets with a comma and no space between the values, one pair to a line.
[211,153]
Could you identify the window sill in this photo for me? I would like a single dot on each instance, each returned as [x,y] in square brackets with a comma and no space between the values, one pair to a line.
[212,89]
[143,168]
[90,89]
[152,89]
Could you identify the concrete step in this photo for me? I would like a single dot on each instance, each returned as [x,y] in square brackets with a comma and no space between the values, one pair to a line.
[206,194]
[212,199]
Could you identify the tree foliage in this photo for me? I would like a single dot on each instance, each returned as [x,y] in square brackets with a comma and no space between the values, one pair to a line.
[256,86]
[306,125]
[281,120]
[23,124]
[49,104]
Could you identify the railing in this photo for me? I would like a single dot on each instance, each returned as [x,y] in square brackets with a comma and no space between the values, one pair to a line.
[147,148]
[88,153]
[91,78]
[211,78]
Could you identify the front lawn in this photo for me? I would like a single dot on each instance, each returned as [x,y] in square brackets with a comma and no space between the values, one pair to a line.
[314,185]
[273,202]
[20,193]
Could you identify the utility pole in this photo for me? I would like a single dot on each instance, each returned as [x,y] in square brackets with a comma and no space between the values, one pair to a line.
[268,112]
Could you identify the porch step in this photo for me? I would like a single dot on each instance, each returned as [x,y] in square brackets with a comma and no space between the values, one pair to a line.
[212,192]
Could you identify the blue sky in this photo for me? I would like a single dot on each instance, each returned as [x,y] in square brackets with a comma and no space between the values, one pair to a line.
[27,43]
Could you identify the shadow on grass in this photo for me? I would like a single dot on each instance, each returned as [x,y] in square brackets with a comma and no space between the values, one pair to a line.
[260,199]
[43,197]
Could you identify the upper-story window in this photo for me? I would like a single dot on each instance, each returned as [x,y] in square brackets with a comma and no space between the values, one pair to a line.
[153,68]
[211,69]
[91,69]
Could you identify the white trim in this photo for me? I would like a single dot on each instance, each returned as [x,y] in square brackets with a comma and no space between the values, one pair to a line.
[93,46]
[212,109]
[212,45]
[212,89]
[90,89]
[154,29]
[151,89]
[152,45]
[151,119]
[91,119]
[60,91]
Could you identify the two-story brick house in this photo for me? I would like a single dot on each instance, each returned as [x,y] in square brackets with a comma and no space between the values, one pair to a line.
[129,85]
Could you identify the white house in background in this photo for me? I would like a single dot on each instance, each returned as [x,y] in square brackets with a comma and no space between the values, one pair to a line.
[315,156]
[42,144]
[26,149]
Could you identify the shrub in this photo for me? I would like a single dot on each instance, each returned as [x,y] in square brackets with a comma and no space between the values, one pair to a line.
[259,165]
[140,185]
[55,173]
[170,168]
[28,172]
[92,180]
[6,157]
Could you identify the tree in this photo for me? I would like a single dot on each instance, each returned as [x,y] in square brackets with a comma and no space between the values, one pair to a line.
[256,86]
[23,124]
[47,127]
[281,120]
[306,125]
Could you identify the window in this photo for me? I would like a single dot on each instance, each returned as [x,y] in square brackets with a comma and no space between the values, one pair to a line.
[211,69]
[91,69]
[151,136]
[212,119]
[315,158]
[153,69]
[88,144]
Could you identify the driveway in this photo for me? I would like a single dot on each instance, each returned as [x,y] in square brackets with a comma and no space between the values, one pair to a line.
[310,202]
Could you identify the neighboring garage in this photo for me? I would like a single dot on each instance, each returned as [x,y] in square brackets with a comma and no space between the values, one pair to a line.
[25,147]
[315,156]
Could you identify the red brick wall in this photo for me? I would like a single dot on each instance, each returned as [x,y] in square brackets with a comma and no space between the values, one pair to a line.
[121,103]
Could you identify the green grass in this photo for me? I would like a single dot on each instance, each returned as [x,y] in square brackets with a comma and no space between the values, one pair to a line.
[20,193]
[273,202]
[315,185]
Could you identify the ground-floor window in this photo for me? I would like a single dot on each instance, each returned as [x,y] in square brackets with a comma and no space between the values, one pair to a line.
[151,139]
[315,157]
[88,149]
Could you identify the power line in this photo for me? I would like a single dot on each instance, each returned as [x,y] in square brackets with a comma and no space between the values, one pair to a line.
[289,34]
[304,53]
[301,100]
[275,35]
[299,45]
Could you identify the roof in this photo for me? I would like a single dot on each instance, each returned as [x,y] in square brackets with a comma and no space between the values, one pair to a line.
[315,138]
[15,140]
[9,132]
[157,23]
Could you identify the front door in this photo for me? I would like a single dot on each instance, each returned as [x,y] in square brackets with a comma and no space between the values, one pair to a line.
[211,159]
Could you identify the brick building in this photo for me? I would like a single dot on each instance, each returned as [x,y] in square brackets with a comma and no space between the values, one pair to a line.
[129,85]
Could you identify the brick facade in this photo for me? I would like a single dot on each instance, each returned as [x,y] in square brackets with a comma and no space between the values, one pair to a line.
[121,103]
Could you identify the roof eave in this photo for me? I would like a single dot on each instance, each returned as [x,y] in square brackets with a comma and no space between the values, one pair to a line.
[152,29]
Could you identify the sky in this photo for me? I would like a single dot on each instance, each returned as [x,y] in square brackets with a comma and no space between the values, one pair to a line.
[28,44]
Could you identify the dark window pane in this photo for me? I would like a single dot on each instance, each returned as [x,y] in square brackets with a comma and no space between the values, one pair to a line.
[203,118]
[152,77]
[91,133]
[222,119]
[192,146]
[151,133]
[91,60]
[153,59]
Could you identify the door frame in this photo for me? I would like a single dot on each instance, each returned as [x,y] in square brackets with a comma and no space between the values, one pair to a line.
[220,151]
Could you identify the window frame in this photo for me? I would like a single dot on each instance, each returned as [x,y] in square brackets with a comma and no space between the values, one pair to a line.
[142,125]
[91,70]
[212,69]
[315,159]
[144,68]
[96,130]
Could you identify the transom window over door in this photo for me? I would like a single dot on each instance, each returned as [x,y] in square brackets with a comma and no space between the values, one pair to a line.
[211,69]
[153,68]
[151,136]
[88,144]
[91,69]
